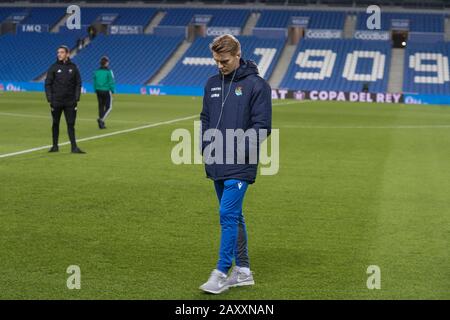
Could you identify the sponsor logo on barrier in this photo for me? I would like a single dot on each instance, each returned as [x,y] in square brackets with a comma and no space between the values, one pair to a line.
[323,34]
[152,91]
[299,95]
[119,29]
[417,98]
[16,17]
[400,24]
[201,19]
[39,28]
[371,35]
[412,100]
[279,94]
[106,18]
[355,96]
[13,88]
[315,95]
[324,95]
[299,22]
[218,31]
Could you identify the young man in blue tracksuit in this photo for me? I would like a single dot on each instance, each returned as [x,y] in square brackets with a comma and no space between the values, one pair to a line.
[236,98]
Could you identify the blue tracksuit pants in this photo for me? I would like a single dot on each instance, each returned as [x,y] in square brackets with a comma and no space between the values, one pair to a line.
[233,241]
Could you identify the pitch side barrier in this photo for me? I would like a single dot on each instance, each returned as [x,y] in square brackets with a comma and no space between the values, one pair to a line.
[281,94]
[381,97]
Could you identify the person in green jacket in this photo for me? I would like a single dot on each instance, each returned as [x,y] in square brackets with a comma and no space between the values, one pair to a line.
[104,86]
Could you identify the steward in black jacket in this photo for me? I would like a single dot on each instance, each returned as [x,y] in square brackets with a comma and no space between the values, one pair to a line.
[63,88]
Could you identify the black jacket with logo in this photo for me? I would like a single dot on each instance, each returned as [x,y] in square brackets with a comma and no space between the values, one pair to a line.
[63,83]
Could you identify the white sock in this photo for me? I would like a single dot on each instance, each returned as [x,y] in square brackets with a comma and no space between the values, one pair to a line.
[245,270]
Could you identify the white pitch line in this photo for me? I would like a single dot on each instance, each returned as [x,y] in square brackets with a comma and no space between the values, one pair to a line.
[289,102]
[23,115]
[100,136]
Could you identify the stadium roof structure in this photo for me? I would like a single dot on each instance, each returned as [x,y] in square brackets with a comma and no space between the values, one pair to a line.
[410,4]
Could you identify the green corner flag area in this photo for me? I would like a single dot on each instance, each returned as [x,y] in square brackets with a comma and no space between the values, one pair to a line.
[361,199]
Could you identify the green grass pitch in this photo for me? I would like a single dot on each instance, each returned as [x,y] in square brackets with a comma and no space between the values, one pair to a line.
[359,185]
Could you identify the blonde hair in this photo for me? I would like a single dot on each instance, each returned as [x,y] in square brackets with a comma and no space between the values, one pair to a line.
[226,43]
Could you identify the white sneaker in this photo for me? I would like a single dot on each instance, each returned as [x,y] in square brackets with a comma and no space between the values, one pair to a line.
[238,278]
[217,283]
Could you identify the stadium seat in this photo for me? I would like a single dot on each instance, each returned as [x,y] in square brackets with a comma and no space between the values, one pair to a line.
[49,16]
[318,19]
[5,12]
[418,22]
[134,58]
[338,64]
[220,18]
[426,68]
[26,56]
[343,65]
[125,16]
[196,65]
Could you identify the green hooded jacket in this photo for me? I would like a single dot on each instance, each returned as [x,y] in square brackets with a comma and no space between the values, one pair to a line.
[104,80]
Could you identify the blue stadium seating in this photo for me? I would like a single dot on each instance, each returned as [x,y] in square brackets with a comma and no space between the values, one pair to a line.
[418,22]
[126,16]
[24,57]
[197,65]
[140,17]
[221,18]
[349,63]
[134,58]
[426,68]
[341,65]
[317,19]
[5,12]
[48,16]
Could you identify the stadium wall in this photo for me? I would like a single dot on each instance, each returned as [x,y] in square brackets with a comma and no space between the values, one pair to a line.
[277,94]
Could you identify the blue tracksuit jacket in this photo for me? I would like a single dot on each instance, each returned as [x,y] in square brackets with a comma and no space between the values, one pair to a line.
[249,105]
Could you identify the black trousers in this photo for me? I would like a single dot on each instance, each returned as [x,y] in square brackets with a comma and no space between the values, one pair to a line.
[104,104]
[70,113]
